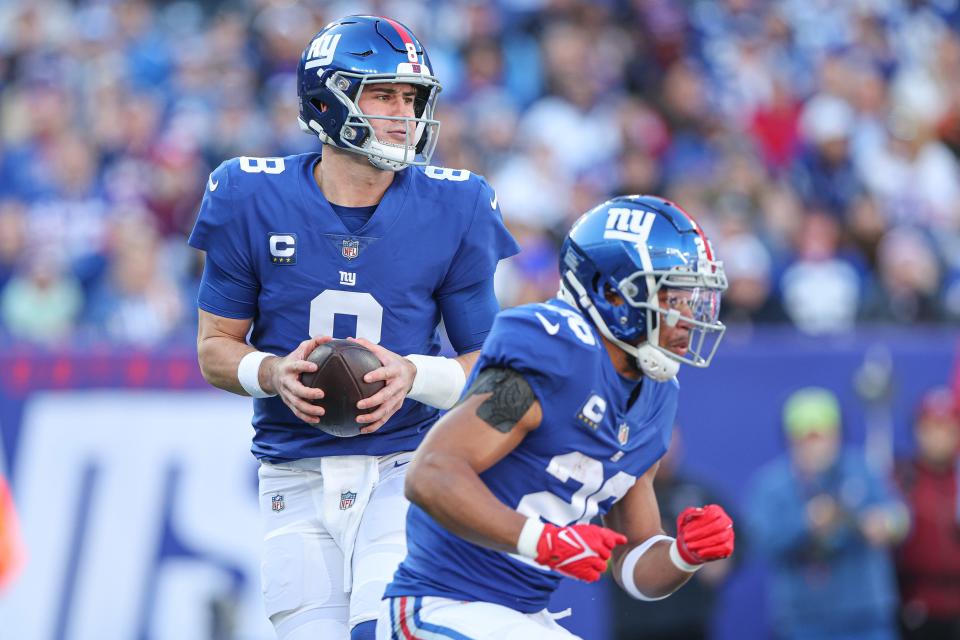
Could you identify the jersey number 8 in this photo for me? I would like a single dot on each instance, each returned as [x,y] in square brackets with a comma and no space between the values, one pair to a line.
[364,307]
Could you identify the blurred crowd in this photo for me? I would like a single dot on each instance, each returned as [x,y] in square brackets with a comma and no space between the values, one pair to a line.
[818,142]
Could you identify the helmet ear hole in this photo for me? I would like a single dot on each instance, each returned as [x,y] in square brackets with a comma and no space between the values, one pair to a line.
[595,282]
[610,295]
[319,105]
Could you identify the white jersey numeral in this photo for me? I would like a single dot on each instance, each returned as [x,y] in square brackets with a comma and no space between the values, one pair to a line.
[361,305]
[261,165]
[443,173]
[584,503]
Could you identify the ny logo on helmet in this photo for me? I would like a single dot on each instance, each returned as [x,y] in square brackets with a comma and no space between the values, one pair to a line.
[632,225]
[322,50]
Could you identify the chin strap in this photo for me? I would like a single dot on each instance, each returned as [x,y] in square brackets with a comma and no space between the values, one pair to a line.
[655,364]
[381,163]
[652,362]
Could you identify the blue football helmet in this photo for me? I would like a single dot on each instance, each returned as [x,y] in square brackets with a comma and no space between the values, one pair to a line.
[655,257]
[345,57]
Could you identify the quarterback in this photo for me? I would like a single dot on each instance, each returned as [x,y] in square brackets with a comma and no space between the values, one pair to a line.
[363,240]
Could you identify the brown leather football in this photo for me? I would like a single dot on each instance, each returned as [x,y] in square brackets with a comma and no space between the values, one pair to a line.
[341,365]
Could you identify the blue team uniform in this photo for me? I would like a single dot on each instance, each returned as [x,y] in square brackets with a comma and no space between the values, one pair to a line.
[591,446]
[279,254]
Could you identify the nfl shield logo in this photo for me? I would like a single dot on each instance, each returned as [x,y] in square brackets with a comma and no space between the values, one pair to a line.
[347,498]
[351,249]
[276,502]
[623,434]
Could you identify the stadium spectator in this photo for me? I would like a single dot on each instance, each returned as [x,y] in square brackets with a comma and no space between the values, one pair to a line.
[41,301]
[821,288]
[907,285]
[824,175]
[825,524]
[13,231]
[137,302]
[928,561]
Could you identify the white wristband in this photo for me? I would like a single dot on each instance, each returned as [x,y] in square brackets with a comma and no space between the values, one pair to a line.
[529,537]
[248,373]
[679,562]
[439,381]
[630,564]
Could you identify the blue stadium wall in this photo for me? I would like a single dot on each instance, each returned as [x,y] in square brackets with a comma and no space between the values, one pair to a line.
[137,494]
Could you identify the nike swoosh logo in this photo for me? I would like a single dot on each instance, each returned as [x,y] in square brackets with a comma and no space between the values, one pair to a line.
[493,201]
[549,326]
[566,537]
[398,463]
[213,184]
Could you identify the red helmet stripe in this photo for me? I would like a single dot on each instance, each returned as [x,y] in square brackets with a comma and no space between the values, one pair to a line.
[404,35]
[706,244]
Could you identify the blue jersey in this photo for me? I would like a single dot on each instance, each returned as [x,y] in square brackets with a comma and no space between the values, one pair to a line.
[591,446]
[285,259]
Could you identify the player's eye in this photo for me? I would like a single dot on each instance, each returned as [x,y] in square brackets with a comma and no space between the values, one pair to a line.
[677,302]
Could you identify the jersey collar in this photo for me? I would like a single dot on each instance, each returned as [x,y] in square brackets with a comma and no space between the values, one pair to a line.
[322,214]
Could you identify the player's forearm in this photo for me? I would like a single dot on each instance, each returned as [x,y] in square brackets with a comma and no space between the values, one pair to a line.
[655,575]
[219,358]
[455,496]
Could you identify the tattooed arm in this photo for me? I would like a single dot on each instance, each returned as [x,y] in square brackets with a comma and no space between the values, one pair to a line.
[496,413]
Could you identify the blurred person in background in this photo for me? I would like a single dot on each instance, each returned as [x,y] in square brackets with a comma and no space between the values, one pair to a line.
[687,614]
[821,287]
[928,560]
[749,299]
[906,288]
[138,302]
[578,104]
[825,523]
[13,236]
[912,173]
[41,301]
[824,175]
[363,240]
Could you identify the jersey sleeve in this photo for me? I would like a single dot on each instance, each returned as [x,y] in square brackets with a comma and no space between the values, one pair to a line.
[221,231]
[485,242]
[543,348]
[468,315]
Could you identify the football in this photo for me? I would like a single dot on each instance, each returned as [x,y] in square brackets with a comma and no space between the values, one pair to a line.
[341,365]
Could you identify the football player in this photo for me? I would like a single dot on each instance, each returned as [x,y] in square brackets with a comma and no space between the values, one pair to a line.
[567,413]
[362,240]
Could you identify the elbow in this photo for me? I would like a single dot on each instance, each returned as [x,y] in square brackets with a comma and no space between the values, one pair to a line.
[204,361]
[423,480]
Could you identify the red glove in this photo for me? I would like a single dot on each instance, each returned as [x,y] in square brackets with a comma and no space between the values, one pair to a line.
[704,534]
[579,551]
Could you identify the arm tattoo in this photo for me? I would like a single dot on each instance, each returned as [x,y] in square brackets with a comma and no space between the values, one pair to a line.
[510,399]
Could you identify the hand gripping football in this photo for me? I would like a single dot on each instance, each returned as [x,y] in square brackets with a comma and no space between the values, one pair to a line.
[341,365]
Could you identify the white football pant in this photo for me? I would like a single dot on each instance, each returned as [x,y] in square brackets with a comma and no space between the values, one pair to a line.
[333,537]
[427,618]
